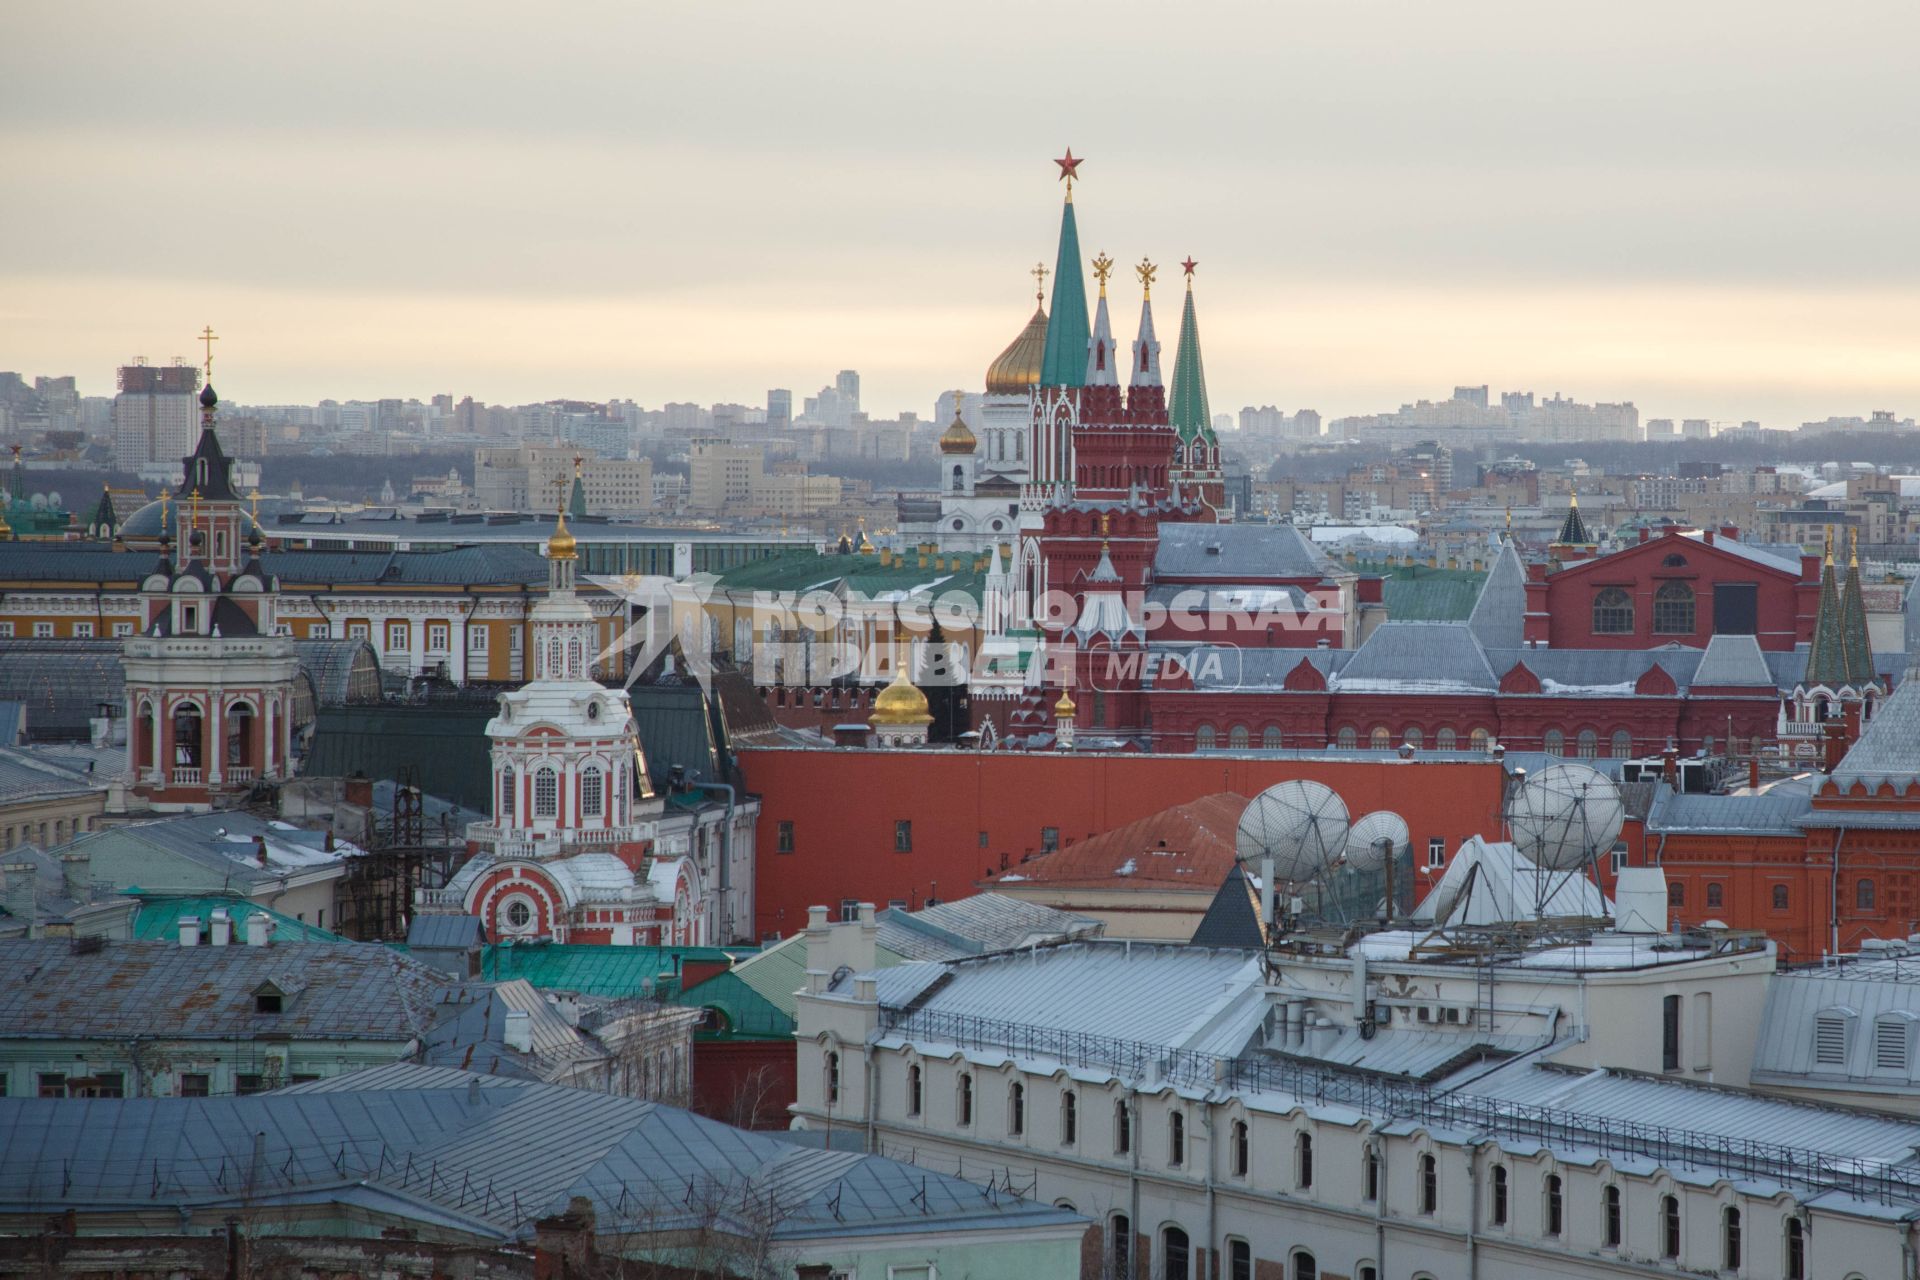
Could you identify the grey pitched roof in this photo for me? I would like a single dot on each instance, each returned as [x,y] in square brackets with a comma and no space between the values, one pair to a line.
[1417,657]
[1499,614]
[62,683]
[1239,552]
[476,1034]
[203,852]
[422,1138]
[1589,672]
[1889,748]
[980,923]
[1771,813]
[1733,660]
[127,989]
[1233,917]
[1865,990]
[448,930]
[25,775]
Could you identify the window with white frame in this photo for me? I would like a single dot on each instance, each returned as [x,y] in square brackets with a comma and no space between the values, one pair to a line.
[359,631]
[546,793]
[592,792]
[42,630]
[6,630]
[397,636]
[119,629]
[438,634]
[476,639]
[1437,851]
[83,630]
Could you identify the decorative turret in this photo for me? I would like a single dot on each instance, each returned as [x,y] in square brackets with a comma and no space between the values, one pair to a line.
[1144,379]
[577,496]
[1100,353]
[1839,673]
[1827,656]
[1573,530]
[1853,618]
[1187,409]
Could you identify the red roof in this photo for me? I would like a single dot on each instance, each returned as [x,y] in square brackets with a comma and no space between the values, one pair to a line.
[1188,844]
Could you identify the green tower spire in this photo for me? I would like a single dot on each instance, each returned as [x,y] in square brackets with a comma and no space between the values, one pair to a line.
[1063,362]
[1853,618]
[1187,411]
[1827,656]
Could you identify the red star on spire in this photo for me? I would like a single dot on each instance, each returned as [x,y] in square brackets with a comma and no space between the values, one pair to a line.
[1188,266]
[1069,167]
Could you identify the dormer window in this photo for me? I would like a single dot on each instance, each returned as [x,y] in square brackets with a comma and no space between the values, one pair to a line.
[268,999]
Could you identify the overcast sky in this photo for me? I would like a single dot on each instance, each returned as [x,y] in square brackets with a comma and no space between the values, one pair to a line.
[1708,208]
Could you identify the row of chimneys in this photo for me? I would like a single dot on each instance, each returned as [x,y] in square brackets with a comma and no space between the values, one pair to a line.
[219,930]
[20,883]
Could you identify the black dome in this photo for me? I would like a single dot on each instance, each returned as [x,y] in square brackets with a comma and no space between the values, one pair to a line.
[207,398]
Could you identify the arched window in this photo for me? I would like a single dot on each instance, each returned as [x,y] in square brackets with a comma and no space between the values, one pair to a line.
[1612,612]
[1203,738]
[593,792]
[1730,1238]
[1556,1206]
[1176,1139]
[1175,1253]
[833,1079]
[1554,743]
[1446,740]
[1589,744]
[1414,738]
[1120,1245]
[1481,740]
[1237,737]
[1370,1174]
[1270,737]
[1716,894]
[1610,1225]
[959,478]
[1677,894]
[1669,1226]
[1779,897]
[1380,739]
[1673,609]
[576,661]
[1303,1161]
[546,793]
[509,785]
[1622,746]
[1429,1184]
[1347,738]
[915,1087]
[1304,1267]
[1069,1119]
[1796,1267]
[1499,1197]
[963,1101]
[1242,1149]
[1016,1109]
[1863,895]
[1122,1128]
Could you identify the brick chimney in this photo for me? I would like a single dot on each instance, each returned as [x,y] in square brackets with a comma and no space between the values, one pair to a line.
[563,1244]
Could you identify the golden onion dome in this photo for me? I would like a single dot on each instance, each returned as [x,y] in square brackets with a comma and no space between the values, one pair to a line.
[561,545]
[1064,707]
[900,704]
[1017,370]
[957,438]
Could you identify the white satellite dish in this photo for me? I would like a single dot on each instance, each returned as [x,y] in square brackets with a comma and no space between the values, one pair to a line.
[1375,838]
[1295,831]
[1564,815]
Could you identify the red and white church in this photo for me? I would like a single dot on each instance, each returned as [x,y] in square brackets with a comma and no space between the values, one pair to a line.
[573,851]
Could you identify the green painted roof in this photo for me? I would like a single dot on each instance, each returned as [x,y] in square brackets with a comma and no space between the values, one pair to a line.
[1187,410]
[158,919]
[1063,362]
[1853,626]
[577,499]
[1573,530]
[592,970]
[800,571]
[749,1015]
[1415,593]
[1827,658]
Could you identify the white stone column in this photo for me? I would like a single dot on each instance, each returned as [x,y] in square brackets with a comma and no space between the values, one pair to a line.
[213,739]
[269,729]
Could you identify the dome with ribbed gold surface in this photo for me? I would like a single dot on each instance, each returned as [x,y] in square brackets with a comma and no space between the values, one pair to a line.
[1017,370]
[957,438]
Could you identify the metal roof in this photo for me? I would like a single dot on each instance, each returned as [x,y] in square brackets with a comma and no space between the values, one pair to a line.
[1889,747]
[25,775]
[1186,846]
[62,683]
[1733,660]
[979,923]
[1500,612]
[205,852]
[158,919]
[1233,917]
[127,989]
[1772,813]
[781,970]
[1416,593]
[1418,657]
[1861,993]
[430,931]
[484,1162]
[1242,552]
[593,970]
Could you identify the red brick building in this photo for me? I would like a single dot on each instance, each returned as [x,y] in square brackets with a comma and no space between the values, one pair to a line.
[845,825]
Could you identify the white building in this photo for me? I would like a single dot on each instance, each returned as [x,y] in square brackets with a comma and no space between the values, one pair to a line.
[1416,1105]
[155,419]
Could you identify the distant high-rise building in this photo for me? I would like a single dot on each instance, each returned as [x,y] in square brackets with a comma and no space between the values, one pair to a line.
[1471,395]
[779,409]
[154,416]
[848,385]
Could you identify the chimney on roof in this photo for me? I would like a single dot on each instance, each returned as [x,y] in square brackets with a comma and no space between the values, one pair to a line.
[259,929]
[189,931]
[329,844]
[75,870]
[518,1033]
[219,928]
[260,849]
[17,891]
[1670,765]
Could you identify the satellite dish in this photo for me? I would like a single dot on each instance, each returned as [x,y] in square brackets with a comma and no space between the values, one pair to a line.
[1378,836]
[1564,815]
[1294,831]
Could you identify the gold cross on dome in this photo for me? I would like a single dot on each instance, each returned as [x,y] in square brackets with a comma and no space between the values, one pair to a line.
[1039,274]
[209,337]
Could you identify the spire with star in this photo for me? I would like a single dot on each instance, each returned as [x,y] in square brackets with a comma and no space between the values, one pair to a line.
[1187,409]
[1064,360]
